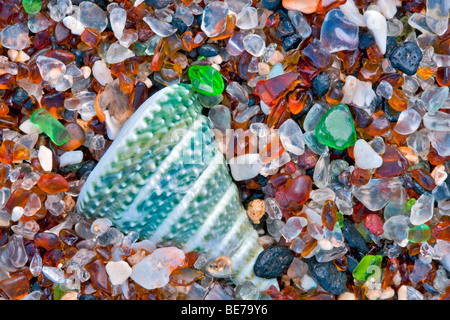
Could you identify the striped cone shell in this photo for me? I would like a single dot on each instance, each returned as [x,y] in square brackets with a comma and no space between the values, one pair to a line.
[164,177]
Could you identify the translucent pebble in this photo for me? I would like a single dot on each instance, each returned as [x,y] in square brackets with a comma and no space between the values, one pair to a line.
[235,45]
[387,7]
[92,16]
[377,192]
[102,73]
[313,117]
[33,205]
[321,175]
[237,6]
[214,18]
[332,254]
[338,33]
[247,291]
[300,23]
[128,38]
[396,229]
[254,44]
[241,166]
[291,137]
[365,156]
[308,283]
[45,157]
[315,146]
[377,25]
[315,230]
[36,265]
[63,83]
[118,18]
[185,15]
[363,96]
[55,275]
[118,271]
[273,209]
[422,210]
[100,226]
[297,269]
[161,28]
[50,68]
[378,145]
[37,22]
[154,270]
[349,89]
[16,214]
[15,36]
[297,245]
[117,53]
[437,15]
[127,243]
[440,140]
[394,28]
[408,122]
[352,13]
[70,158]
[385,90]
[237,92]
[75,26]
[293,227]
[247,19]
[64,6]
[274,228]
[54,204]
[434,98]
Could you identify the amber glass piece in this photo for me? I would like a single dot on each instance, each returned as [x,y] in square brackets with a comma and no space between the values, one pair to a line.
[321,295]
[441,231]
[7,81]
[360,292]
[3,174]
[118,68]
[7,122]
[310,245]
[23,71]
[35,75]
[424,178]
[199,39]
[186,39]
[341,263]
[6,152]
[18,198]
[20,153]
[278,114]
[62,55]
[273,20]
[52,183]
[426,72]
[158,56]
[54,103]
[68,237]
[390,271]
[290,293]
[126,83]
[99,276]
[53,257]
[47,240]
[443,76]
[334,95]
[171,70]
[326,5]
[435,159]
[360,177]
[140,94]
[42,39]
[185,276]
[398,101]
[4,109]
[374,54]
[307,71]
[91,37]
[395,79]
[379,125]
[394,163]
[298,189]
[270,91]
[244,61]
[370,71]
[229,30]
[77,137]
[16,287]
[350,60]
[329,214]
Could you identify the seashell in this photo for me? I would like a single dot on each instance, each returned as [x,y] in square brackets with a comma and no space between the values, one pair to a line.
[164,177]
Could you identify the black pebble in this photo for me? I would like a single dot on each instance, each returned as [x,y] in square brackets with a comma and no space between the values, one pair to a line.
[79,57]
[262,181]
[291,42]
[88,166]
[179,24]
[87,297]
[351,263]
[354,237]
[418,188]
[406,58]
[284,28]
[328,276]
[320,84]
[158,4]
[19,96]
[271,4]
[272,262]
[208,50]
[366,39]
[391,44]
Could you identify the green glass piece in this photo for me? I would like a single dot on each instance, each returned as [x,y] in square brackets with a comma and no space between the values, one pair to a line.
[369,266]
[206,80]
[419,234]
[58,293]
[336,128]
[340,220]
[45,121]
[139,48]
[32,6]
[409,203]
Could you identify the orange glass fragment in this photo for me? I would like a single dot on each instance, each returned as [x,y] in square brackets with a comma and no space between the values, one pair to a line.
[394,163]
[52,183]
